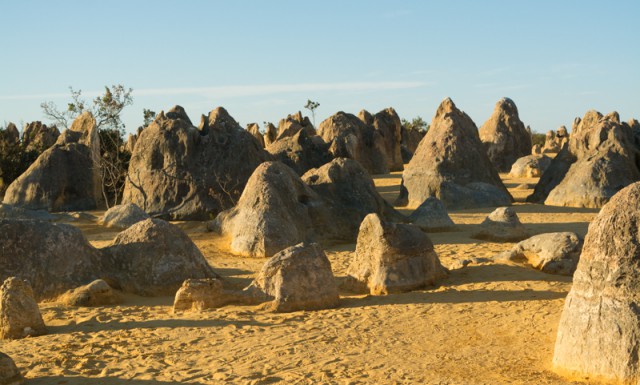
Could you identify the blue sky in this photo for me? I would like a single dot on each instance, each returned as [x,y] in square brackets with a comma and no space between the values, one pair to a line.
[263,59]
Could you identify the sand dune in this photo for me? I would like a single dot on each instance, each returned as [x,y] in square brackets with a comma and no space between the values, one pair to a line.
[488,323]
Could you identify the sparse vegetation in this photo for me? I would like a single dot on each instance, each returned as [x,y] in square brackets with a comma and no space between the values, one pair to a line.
[537,139]
[106,109]
[311,106]
[416,123]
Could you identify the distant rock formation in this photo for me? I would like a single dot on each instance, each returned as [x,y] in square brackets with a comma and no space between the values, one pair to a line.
[349,137]
[181,172]
[301,151]
[555,141]
[293,124]
[66,177]
[254,130]
[600,159]
[504,136]
[452,165]
[38,137]
[387,123]
[599,327]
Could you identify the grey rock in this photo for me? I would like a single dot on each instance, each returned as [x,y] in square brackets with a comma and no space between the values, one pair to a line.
[392,257]
[9,373]
[297,278]
[502,225]
[530,166]
[19,313]
[387,123]
[553,253]
[276,210]
[153,258]
[432,216]
[599,329]
[254,130]
[349,137]
[54,258]
[451,164]
[38,137]
[181,172]
[123,216]
[301,151]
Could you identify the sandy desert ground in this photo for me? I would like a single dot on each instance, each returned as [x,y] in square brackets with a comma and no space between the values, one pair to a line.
[488,323]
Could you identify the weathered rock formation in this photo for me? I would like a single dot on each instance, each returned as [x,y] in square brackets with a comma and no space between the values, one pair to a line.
[38,137]
[181,172]
[301,151]
[451,164]
[432,216]
[123,216]
[278,209]
[293,124]
[297,278]
[19,313]
[599,331]
[553,253]
[66,177]
[600,159]
[96,293]
[270,134]
[392,257]
[504,136]
[351,195]
[502,225]
[154,258]
[349,137]
[54,258]
[200,294]
[555,141]
[530,166]
[387,123]
[254,130]
[9,373]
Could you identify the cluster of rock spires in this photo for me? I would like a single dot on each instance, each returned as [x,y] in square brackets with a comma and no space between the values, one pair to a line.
[279,209]
[601,157]
[179,171]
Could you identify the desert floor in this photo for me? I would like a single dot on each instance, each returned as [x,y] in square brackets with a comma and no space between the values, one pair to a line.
[488,323]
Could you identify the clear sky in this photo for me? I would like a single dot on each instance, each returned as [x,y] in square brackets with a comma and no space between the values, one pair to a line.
[262,60]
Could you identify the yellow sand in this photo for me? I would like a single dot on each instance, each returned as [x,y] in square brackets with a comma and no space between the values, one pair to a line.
[488,323]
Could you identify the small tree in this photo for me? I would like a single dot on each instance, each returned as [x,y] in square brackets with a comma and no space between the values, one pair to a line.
[417,124]
[106,109]
[311,106]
